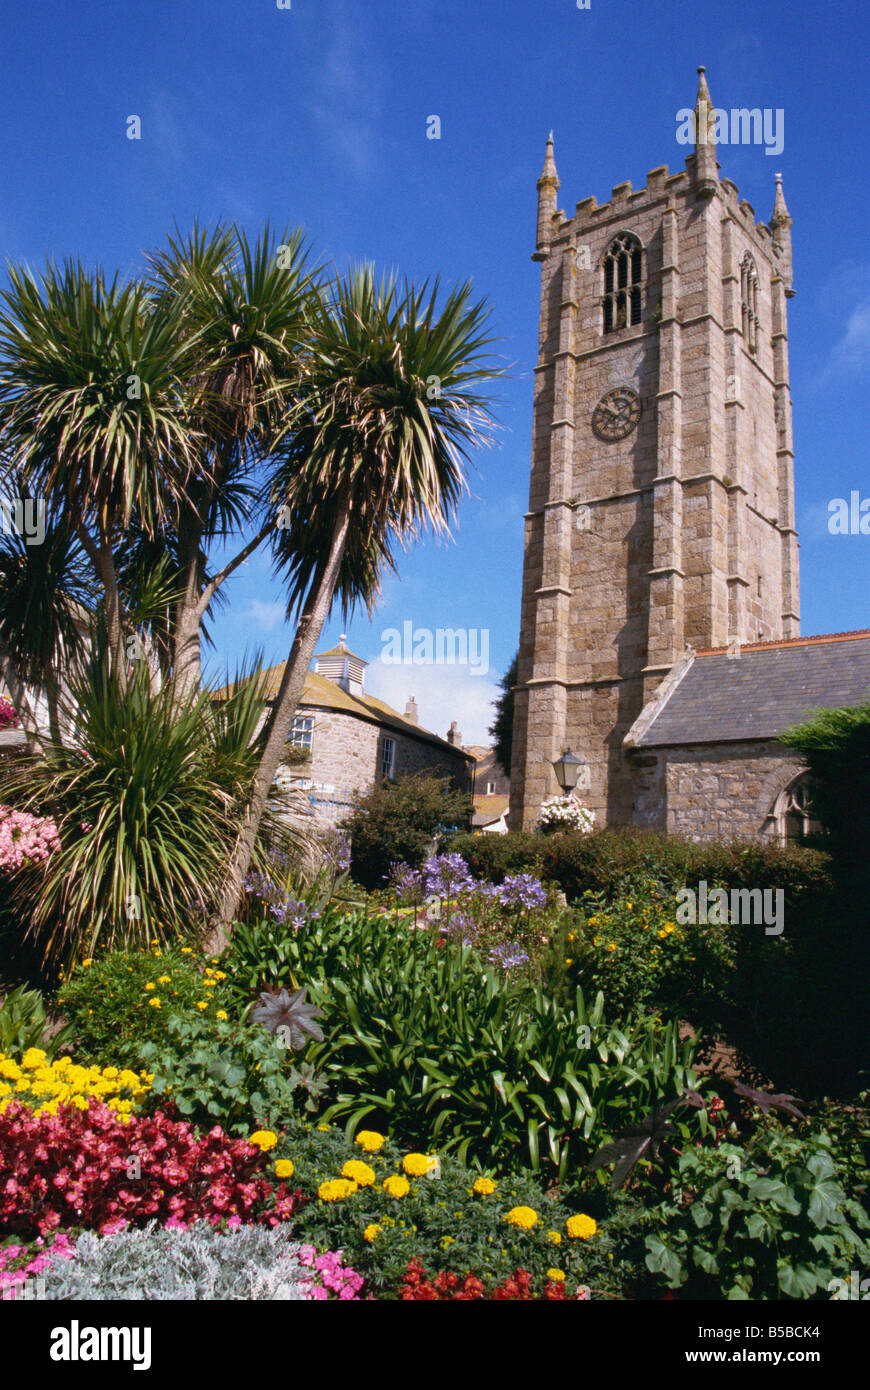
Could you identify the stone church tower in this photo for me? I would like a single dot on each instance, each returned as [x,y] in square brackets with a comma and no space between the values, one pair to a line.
[661,508]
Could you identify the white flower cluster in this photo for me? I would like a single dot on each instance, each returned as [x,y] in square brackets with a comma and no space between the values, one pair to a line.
[565,813]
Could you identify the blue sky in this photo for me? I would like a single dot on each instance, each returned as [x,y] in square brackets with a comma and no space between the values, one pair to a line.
[316,115]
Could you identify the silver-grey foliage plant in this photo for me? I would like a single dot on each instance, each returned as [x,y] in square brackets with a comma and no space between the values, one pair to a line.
[159,1264]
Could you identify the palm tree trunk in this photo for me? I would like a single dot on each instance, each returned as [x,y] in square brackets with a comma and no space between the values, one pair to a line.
[296,668]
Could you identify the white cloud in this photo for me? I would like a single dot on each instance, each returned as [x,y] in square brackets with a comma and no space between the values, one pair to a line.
[443,693]
[264,615]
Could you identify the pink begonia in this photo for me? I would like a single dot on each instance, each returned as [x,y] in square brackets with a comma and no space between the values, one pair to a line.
[25,838]
[8,718]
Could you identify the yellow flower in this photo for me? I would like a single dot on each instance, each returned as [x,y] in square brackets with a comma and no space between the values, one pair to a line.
[187,950]
[88,961]
[222,1014]
[554,1237]
[264,1139]
[201,1004]
[284,1168]
[360,1173]
[571,936]
[154,1002]
[416,1165]
[611,945]
[372,1232]
[570,960]
[150,985]
[396,1186]
[220,974]
[447,1241]
[164,979]
[581,1227]
[335,1189]
[367,1139]
[484,1187]
[524,1217]
[324,1129]
[557,1274]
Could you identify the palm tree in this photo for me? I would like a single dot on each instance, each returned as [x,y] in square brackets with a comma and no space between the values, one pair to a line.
[91,407]
[247,307]
[46,590]
[384,415]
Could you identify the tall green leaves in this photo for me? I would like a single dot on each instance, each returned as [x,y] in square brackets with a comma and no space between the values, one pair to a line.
[146,805]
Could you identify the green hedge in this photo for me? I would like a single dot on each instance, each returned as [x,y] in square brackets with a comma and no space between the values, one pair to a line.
[608,860]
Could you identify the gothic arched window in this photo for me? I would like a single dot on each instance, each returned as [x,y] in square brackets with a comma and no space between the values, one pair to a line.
[792,814]
[623,283]
[749,301]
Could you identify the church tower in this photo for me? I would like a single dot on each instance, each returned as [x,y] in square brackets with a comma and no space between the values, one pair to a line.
[661,506]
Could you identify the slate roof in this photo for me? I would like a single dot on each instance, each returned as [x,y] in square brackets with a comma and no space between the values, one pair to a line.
[771,685]
[322,693]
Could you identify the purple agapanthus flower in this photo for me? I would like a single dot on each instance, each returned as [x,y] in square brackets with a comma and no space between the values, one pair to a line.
[508,955]
[522,890]
[448,875]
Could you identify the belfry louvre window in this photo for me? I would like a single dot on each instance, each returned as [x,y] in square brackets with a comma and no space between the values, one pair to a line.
[749,301]
[623,277]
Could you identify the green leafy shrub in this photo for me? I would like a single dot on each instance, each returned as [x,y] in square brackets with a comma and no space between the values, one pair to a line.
[24,1023]
[633,949]
[122,999]
[835,744]
[429,1041]
[610,861]
[444,1222]
[492,856]
[154,1263]
[218,1073]
[396,822]
[770,1220]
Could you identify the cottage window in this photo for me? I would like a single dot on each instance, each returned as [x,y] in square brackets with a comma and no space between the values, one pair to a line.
[623,289]
[387,758]
[300,732]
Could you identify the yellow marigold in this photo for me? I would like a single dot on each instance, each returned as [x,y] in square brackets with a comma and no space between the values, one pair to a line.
[201,1004]
[368,1139]
[554,1237]
[396,1186]
[570,960]
[336,1189]
[89,960]
[33,1057]
[360,1173]
[372,1232]
[484,1187]
[611,945]
[324,1129]
[222,1014]
[154,1002]
[416,1165]
[557,1274]
[524,1217]
[150,985]
[581,1227]
[187,950]
[284,1168]
[220,974]
[263,1139]
[164,979]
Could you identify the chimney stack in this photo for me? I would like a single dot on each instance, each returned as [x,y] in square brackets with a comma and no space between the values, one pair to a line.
[412,714]
[454,736]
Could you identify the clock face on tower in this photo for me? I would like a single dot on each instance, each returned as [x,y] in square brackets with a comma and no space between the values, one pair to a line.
[616,414]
